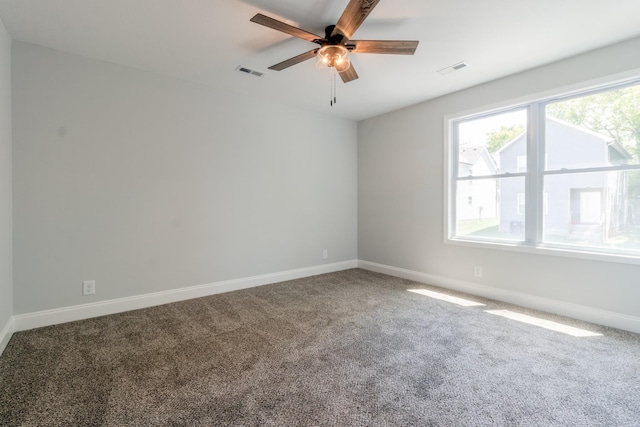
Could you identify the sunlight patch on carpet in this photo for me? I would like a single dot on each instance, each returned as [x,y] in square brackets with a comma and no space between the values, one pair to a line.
[444,297]
[547,324]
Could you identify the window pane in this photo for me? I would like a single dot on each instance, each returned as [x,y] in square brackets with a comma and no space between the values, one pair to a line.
[593,131]
[489,209]
[595,209]
[492,144]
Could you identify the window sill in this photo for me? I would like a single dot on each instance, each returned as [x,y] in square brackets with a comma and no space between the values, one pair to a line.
[593,255]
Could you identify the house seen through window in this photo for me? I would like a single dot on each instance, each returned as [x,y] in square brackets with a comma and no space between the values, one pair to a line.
[574,183]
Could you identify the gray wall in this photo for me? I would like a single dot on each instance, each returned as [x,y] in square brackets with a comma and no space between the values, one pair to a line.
[401,195]
[6,294]
[146,183]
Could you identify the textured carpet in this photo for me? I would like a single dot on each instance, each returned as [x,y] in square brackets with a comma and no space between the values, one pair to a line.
[352,348]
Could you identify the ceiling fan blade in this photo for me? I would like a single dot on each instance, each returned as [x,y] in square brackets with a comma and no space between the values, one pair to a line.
[295,60]
[285,28]
[349,74]
[353,16]
[396,47]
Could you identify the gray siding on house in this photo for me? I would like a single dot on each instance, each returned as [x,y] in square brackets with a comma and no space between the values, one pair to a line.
[567,146]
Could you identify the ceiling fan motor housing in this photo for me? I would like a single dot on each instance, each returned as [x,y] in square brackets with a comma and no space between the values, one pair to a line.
[335,38]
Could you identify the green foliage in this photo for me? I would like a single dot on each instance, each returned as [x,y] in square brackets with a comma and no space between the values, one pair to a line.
[613,113]
[634,185]
[497,139]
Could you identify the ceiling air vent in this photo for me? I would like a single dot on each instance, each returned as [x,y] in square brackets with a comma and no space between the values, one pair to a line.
[454,67]
[246,70]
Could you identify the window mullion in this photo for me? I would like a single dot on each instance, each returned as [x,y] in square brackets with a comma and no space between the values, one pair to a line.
[533,183]
[541,120]
[453,165]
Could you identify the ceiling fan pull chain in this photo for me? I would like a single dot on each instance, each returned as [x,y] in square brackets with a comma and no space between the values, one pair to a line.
[332,85]
[335,98]
[331,90]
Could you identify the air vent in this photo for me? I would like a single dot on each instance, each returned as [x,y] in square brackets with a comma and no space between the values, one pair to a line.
[454,67]
[246,70]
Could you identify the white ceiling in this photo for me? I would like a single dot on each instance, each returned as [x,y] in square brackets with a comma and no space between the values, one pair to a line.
[204,41]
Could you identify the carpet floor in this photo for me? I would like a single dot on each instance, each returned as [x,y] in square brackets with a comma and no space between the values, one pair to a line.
[352,348]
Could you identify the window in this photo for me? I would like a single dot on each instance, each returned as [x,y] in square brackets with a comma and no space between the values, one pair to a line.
[573,160]
[480,142]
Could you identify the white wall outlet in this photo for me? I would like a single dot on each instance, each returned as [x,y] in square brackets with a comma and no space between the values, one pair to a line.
[477,271]
[88,287]
[325,254]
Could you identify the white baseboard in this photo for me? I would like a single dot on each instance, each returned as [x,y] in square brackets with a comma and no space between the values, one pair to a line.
[22,322]
[5,334]
[27,321]
[588,314]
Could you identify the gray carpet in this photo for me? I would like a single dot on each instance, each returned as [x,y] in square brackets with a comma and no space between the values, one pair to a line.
[352,348]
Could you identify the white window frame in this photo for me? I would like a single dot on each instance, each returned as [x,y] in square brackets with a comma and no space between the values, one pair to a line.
[536,207]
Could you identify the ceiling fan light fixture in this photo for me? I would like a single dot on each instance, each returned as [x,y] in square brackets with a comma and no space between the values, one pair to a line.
[333,56]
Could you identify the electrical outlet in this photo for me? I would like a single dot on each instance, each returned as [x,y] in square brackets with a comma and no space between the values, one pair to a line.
[477,271]
[325,254]
[88,287]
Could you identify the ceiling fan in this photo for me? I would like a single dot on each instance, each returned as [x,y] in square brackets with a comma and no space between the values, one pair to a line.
[336,45]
